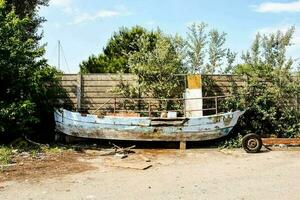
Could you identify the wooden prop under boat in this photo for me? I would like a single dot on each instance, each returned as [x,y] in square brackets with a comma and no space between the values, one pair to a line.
[146,128]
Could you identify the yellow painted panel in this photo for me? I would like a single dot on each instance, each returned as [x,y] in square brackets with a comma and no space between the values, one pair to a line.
[194,81]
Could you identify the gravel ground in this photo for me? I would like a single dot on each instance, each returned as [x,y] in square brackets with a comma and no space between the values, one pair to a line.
[175,174]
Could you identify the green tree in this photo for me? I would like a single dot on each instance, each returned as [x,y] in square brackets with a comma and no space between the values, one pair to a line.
[155,68]
[195,44]
[230,58]
[116,53]
[271,89]
[156,71]
[29,9]
[200,43]
[216,50]
[27,82]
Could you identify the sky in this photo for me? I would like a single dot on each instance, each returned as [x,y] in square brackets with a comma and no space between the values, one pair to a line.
[84,26]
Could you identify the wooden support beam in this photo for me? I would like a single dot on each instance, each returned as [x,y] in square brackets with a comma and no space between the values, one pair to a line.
[182,145]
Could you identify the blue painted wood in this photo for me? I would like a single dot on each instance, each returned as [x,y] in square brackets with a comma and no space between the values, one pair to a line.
[143,128]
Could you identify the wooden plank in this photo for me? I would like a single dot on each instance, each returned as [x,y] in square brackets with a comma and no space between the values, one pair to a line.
[236,78]
[69,88]
[118,100]
[98,89]
[100,95]
[278,141]
[68,77]
[239,87]
[69,82]
[105,83]
[135,165]
[68,85]
[227,84]
[108,77]
[182,145]
[96,106]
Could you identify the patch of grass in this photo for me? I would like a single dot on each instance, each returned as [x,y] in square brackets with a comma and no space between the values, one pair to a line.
[232,143]
[52,149]
[5,155]
[23,145]
[34,153]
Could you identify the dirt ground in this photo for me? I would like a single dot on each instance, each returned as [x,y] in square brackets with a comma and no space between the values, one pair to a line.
[174,174]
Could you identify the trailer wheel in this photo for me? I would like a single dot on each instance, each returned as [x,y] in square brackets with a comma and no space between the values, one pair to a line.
[252,143]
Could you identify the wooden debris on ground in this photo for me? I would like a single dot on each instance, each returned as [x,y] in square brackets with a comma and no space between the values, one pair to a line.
[119,150]
[2,167]
[136,165]
[93,152]
[281,141]
[144,158]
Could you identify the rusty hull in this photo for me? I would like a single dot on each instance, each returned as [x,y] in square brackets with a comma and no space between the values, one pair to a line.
[145,128]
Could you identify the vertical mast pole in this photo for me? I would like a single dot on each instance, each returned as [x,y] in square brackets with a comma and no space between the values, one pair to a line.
[58,59]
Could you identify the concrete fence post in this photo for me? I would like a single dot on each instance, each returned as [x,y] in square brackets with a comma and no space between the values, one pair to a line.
[79,91]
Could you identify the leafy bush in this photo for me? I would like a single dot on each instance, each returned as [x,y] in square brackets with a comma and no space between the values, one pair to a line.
[28,84]
[116,54]
[231,143]
[5,155]
[271,91]
[155,70]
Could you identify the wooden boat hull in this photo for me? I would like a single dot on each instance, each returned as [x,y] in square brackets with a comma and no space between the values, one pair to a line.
[145,128]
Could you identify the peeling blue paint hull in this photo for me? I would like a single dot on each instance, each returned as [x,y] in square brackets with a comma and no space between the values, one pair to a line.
[146,128]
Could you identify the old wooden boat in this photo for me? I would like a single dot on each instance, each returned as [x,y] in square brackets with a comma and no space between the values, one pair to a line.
[146,128]
[191,118]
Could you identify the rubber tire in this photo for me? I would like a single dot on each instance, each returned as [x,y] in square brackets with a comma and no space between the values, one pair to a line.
[255,137]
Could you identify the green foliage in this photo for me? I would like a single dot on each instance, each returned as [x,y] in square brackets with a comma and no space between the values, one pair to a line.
[17,116]
[156,70]
[271,90]
[5,155]
[216,50]
[195,44]
[28,84]
[231,143]
[28,9]
[117,51]
[199,42]
[230,58]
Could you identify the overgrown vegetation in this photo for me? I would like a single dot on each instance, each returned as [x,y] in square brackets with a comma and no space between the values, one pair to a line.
[116,54]
[21,147]
[154,69]
[270,95]
[271,85]
[205,51]
[159,68]
[29,86]
[5,155]
[231,143]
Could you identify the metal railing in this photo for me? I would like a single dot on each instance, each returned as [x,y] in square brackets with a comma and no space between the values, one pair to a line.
[145,105]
